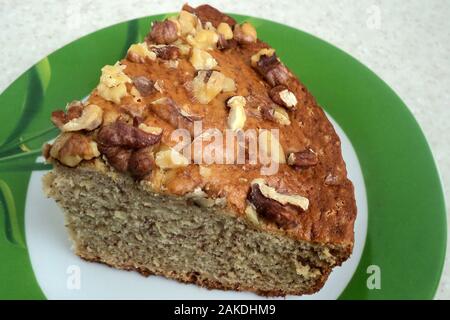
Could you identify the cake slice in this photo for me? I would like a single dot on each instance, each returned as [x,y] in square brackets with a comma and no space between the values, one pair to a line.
[200,157]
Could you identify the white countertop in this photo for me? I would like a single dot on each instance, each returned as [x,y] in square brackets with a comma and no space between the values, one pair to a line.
[407,43]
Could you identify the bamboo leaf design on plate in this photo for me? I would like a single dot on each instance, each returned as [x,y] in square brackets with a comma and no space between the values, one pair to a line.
[39,79]
[11,222]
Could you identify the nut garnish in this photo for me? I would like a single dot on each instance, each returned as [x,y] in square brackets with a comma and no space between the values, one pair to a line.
[206,14]
[274,206]
[121,134]
[141,162]
[245,33]
[208,84]
[144,85]
[270,147]
[203,39]
[303,159]
[263,52]
[71,148]
[271,68]
[128,148]
[202,60]
[282,96]
[187,22]
[170,159]
[224,29]
[166,52]
[74,110]
[281,116]
[90,118]
[236,117]
[151,130]
[168,110]
[251,214]
[139,53]
[164,32]
[112,83]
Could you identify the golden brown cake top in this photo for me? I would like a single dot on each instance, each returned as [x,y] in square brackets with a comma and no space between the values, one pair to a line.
[201,80]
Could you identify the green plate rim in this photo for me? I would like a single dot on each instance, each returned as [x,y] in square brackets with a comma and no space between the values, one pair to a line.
[340,83]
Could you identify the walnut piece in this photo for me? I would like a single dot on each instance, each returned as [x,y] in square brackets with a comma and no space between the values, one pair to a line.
[164,32]
[139,53]
[245,33]
[187,22]
[271,68]
[71,148]
[208,84]
[206,13]
[282,96]
[203,39]
[166,52]
[168,110]
[282,209]
[225,30]
[236,117]
[281,116]
[90,119]
[121,134]
[127,148]
[112,83]
[144,85]
[74,110]
[170,159]
[202,60]
[303,159]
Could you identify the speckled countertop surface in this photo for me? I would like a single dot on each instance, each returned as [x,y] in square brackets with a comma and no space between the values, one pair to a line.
[405,42]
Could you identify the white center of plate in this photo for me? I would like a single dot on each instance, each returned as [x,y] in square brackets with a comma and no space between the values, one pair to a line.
[57,268]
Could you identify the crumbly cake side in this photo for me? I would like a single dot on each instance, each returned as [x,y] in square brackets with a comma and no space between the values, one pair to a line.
[133,202]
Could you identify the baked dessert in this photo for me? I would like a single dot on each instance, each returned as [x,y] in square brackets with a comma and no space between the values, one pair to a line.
[142,189]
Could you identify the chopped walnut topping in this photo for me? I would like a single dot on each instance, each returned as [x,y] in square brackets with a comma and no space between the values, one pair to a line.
[202,60]
[112,83]
[173,113]
[225,30]
[121,134]
[170,159]
[208,84]
[279,208]
[271,68]
[225,44]
[164,32]
[141,162]
[71,148]
[303,159]
[128,148]
[144,85]
[187,21]
[281,116]
[166,52]
[139,53]
[245,33]
[74,110]
[236,117]
[263,52]
[203,39]
[282,96]
[90,118]
[206,13]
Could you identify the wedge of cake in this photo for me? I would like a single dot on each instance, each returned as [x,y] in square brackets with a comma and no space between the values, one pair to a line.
[200,157]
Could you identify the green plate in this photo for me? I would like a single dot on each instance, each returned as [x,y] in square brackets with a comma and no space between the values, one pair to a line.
[406,234]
